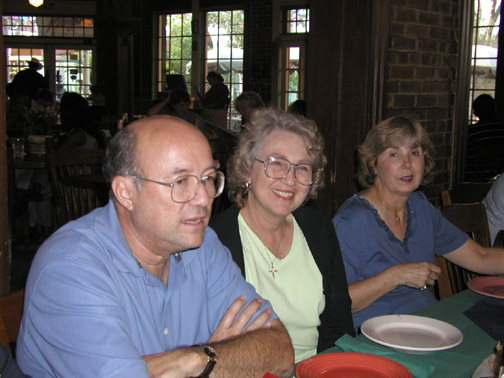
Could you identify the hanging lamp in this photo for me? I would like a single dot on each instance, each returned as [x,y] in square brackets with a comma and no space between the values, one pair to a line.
[36,3]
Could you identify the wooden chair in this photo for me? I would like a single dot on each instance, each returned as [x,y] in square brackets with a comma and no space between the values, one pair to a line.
[488,161]
[499,240]
[77,183]
[472,219]
[11,312]
[465,192]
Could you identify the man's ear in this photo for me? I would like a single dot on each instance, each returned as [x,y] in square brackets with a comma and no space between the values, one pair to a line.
[124,189]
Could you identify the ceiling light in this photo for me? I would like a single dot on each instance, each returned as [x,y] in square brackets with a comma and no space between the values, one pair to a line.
[36,3]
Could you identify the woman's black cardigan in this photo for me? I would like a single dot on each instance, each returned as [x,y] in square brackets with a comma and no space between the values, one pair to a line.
[318,230]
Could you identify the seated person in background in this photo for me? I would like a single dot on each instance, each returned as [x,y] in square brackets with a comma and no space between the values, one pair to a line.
[389,233]
[290,253]
[44,112]
[29,81]
[98,101]
[494,203]
[177,105]
[489,130]
[247,103]
[137,287]
[77,122]
[298,107]
[217,96]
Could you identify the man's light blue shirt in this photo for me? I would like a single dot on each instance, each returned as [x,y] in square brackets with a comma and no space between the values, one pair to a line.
[92,310]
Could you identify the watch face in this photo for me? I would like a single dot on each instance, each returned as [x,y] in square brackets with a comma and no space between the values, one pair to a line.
[210,352]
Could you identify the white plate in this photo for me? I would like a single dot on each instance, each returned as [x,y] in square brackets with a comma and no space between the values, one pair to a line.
[411,333]
[484,370]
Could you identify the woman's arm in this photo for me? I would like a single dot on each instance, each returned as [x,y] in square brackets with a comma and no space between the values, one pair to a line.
[477,258]
[155,109]
[416,275]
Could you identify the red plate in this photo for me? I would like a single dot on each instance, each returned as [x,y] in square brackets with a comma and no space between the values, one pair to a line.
[350,365]
[490,286]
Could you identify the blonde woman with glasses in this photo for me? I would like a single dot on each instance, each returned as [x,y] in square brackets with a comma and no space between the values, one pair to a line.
[290,253]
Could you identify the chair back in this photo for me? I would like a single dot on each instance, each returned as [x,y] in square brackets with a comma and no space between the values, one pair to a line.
[11,312]
[488,161]
[77,183]
[472,219]
[465,192]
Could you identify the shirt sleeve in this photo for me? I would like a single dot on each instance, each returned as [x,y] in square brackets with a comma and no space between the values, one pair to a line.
[75,324]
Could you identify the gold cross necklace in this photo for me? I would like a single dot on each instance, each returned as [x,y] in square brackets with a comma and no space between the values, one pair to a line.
[272,270]
[397,218]
[266,249]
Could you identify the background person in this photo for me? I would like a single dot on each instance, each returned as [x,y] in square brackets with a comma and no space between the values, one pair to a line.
[247,103]
[494,203]
[77,123]
[177,105]
[489,130]
[131,288]
[389,233]
[217,97]
[290,253]
[298,107]
[28,81]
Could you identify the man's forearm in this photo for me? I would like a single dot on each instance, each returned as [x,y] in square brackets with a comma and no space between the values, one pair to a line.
[251,354]
[255,353]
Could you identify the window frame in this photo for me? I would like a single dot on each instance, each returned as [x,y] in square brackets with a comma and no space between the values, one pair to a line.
[463,91]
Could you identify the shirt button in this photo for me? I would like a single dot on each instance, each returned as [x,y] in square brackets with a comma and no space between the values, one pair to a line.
[165,331]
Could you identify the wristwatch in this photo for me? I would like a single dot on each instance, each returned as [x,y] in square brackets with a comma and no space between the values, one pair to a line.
[211,355]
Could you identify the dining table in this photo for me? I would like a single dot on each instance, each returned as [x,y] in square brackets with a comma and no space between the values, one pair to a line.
[459,361]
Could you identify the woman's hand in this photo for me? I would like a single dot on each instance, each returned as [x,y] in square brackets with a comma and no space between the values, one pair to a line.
[415,275]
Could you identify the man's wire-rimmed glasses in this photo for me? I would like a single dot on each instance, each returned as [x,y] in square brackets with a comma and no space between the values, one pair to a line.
[278,168]
[185,188]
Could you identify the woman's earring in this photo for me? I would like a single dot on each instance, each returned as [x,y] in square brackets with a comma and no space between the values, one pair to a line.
[247,186]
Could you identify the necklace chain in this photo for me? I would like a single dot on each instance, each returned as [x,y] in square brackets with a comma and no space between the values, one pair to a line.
[272,262]
[397,218]
[267,250]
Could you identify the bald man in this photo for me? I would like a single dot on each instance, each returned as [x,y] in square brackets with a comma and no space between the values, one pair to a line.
[141,287]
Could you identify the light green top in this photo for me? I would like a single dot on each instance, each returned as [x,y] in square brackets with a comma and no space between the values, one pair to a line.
[296,291]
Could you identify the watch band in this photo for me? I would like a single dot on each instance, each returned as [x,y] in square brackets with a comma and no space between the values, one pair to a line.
[211,355]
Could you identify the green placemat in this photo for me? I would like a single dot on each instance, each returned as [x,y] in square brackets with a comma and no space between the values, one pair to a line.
[413,362]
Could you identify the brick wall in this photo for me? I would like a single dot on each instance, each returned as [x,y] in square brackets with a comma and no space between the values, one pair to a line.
[421,72]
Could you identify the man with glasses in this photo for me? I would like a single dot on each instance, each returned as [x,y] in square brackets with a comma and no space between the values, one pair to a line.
[141,287]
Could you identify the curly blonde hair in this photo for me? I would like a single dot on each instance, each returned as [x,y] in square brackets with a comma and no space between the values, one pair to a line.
[263,123]
[392,132]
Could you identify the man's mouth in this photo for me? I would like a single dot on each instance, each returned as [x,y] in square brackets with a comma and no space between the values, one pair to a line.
[193,221]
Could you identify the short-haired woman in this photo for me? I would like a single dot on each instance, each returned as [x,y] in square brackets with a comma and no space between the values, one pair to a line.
[290,253]
[390,233]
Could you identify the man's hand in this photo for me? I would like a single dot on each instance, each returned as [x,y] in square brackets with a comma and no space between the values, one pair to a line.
[233,324]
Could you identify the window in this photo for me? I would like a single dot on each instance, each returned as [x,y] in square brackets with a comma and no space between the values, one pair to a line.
[39,26]
[292,54]
[17,60]
[297,20]
[58,43]
[484,50]
[174,44]
[224,53]
[222,50]
[73,71]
